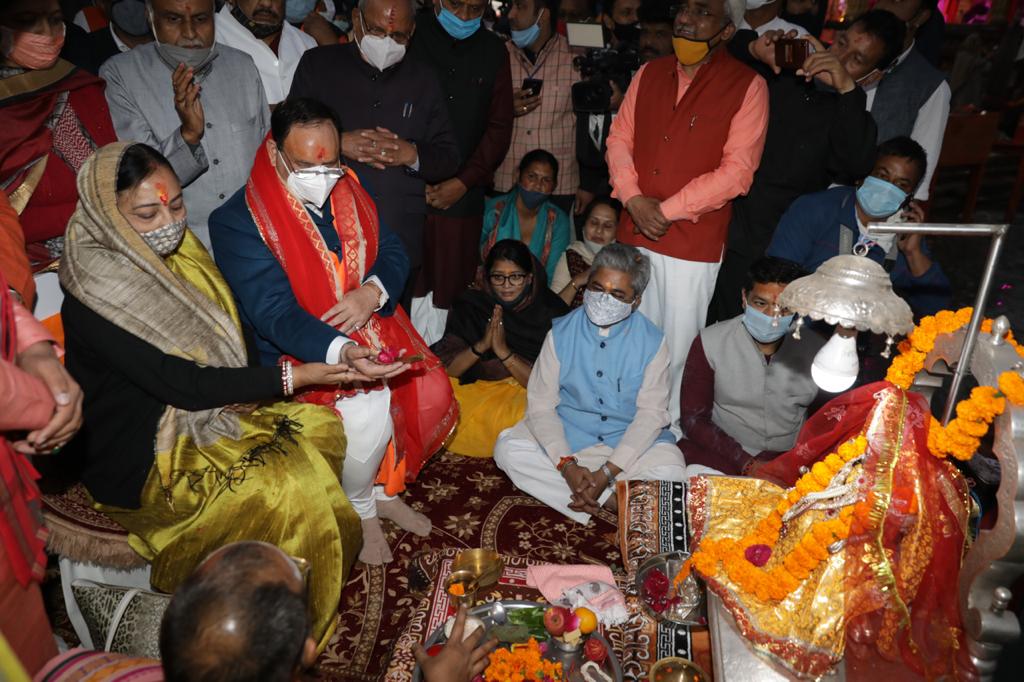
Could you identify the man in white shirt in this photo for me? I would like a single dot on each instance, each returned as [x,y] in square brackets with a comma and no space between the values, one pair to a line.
[763,16]
[912,98]
[258,28]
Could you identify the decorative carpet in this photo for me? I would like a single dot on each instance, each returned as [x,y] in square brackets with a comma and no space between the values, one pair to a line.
[471,504]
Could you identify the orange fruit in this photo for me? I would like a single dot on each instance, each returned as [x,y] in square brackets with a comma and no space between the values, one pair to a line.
[588,620]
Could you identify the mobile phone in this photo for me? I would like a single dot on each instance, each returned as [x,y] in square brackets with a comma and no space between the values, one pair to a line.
[533,85]
[791,53]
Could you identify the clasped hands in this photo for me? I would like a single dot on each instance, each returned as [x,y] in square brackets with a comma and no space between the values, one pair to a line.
[494,336]
[378,148]
[647,217]
[586,486]
[40,360]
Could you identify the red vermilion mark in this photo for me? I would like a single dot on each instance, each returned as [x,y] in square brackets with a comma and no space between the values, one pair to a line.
[389,13]
[161,192]
[321,154]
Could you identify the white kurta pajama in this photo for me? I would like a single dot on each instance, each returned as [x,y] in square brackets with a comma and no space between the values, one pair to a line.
[529,452]
[276,70]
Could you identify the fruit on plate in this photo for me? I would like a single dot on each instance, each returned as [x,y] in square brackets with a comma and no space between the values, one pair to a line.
[556,619]
[588,620]
[595,651]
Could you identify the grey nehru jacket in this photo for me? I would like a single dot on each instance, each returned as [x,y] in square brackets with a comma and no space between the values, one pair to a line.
[141,101]
[761,404]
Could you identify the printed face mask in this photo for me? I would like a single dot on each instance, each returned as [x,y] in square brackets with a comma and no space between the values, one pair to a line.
[32,51]
[603,309]
[165,240]
[379,52]
[764,328]
[878,198]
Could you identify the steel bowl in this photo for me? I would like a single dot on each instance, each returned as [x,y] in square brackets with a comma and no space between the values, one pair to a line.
[485,564]
[689,611]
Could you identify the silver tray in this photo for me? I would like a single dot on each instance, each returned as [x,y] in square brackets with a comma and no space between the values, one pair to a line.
[610,666]
[691,611]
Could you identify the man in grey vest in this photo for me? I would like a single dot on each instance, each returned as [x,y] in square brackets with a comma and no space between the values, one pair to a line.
[912,98]
[746,386]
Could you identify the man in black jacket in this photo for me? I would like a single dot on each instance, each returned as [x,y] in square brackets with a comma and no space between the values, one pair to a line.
[129,27]
[397,132]
[818,133]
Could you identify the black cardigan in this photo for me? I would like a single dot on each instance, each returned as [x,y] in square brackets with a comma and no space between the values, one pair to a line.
[127,384]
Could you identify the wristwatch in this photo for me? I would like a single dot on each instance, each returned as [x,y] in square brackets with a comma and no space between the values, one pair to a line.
[608,473]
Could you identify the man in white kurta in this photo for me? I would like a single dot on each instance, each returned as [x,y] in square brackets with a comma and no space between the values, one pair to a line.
[258,28]
[598,398]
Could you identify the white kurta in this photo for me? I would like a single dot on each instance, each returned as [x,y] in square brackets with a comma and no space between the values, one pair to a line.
[276,70]
[529,451]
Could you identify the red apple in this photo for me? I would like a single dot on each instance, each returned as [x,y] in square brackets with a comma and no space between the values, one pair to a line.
[555,619]
[594,650]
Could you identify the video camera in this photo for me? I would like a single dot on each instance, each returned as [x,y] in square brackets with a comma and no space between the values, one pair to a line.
[598,66]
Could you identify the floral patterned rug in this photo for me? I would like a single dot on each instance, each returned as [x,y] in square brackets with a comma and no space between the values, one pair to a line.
[472,504]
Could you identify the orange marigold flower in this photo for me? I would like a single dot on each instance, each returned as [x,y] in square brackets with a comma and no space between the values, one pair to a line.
[1011,385]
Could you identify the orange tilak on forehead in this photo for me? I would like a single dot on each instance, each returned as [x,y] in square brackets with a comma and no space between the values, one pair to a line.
[321,154]
[389,14]
[161,193]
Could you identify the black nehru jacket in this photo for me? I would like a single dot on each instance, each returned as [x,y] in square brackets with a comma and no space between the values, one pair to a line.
[406,99]
[128,383]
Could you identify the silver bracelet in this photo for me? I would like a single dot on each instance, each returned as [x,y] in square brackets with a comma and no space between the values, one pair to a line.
[287,378]
[608,473]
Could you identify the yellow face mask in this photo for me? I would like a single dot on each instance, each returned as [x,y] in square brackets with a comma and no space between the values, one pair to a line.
[690,52]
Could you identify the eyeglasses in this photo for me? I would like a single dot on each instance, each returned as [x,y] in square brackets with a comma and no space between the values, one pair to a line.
[376,32]
[472,10]
[617,295]
[693,13]
[516,278]
[331,172]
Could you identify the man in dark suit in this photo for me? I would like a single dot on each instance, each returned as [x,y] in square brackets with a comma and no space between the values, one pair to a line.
[397,133]
[128,28]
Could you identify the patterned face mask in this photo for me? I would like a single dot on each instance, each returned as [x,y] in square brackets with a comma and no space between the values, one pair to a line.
[165,240]
[603,309]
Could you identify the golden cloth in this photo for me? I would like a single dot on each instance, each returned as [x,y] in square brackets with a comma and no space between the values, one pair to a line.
[487,409]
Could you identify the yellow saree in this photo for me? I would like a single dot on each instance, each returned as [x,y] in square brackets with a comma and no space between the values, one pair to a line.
[486,408]
[222,475]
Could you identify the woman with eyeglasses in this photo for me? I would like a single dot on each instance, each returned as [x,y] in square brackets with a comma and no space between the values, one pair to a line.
[528,214]
[494,333]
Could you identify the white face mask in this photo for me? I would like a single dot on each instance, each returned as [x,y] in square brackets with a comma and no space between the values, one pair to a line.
[381,53]
[603,309]
[592,247]
[312,185]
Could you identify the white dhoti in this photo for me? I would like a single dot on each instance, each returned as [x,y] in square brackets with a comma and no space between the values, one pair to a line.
[368,428]
[523,459]
[428,320]
[676,299]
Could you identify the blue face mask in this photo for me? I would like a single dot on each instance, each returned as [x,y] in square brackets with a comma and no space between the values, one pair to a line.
[532,199]
[878,198]
[762,327]
[528,36]
[296,11]
[460,29]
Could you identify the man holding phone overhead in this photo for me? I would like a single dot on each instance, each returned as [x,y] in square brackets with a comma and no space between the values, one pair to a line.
[818,131]
[542,78]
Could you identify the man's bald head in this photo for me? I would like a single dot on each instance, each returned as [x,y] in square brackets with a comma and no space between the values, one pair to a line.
[185,23]
[384,18]
[240,616]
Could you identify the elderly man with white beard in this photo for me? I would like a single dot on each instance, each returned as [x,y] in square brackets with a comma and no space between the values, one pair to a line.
[200,103]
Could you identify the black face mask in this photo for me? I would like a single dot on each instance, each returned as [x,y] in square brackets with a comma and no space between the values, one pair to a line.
[627,33]
[259,30]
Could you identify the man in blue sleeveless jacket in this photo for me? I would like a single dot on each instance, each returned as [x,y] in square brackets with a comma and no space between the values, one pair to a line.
[598,399]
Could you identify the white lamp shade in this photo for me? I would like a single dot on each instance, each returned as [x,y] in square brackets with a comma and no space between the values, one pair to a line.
[836,365]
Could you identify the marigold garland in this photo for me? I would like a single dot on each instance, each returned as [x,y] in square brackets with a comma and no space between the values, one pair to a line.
[961,437]
[521,662]
[776,583]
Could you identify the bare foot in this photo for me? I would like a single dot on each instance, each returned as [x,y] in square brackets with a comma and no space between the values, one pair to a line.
[375,549]
[398,511]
